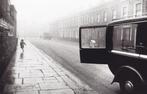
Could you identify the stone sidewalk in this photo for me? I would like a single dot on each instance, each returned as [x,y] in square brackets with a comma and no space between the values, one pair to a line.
[33,72]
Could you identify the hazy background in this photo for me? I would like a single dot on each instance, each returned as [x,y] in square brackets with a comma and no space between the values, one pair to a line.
[34,16]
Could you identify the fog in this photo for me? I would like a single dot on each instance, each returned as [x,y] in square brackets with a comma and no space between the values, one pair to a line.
[34,16]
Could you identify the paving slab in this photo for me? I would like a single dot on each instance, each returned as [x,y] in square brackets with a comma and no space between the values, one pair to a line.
[63,91]
[33,72]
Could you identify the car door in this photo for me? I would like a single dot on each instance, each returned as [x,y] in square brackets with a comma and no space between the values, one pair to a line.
[142,40]
[93,44]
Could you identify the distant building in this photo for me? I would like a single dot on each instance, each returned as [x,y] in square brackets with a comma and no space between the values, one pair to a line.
[68,28]
[13,17]
[7,18]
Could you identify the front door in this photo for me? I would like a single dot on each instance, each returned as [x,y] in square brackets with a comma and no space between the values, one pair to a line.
[93,44]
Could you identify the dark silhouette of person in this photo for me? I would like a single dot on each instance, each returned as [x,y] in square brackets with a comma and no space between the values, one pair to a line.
[22,43]
[21,55]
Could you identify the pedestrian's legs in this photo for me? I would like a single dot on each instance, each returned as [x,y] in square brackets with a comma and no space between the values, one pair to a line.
[22,48]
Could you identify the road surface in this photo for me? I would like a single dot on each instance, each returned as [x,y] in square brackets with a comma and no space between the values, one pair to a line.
[97,76]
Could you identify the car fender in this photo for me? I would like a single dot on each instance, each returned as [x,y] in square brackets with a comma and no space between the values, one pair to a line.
[127,70]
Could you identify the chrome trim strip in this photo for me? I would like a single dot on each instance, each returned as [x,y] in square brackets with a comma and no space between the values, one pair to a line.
[143,56]
[133,69]
[125,53]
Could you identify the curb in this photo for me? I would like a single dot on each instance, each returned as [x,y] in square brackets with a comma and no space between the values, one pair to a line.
[78,86]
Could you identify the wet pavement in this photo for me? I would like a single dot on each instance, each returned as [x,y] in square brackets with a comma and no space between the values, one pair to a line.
[33,72]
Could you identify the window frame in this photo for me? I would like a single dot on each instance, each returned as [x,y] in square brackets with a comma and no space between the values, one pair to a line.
[93,27]
[132,38]
[124,11]
[137,12]
[114,14]
[105,16]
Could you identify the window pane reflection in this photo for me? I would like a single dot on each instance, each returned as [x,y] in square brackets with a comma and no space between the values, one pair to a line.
[93,37]
[124,37]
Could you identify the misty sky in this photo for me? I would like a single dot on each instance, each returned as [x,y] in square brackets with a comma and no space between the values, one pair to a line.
[35,15]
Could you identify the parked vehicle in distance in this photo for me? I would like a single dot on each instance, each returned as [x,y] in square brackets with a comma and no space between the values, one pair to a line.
[123,46]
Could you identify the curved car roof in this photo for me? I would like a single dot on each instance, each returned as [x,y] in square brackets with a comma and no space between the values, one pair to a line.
[129,20]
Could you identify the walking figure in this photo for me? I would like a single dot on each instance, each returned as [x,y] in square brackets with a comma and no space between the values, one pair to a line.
[22,43]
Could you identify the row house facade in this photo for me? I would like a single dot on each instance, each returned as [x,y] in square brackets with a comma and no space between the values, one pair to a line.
[68,28]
